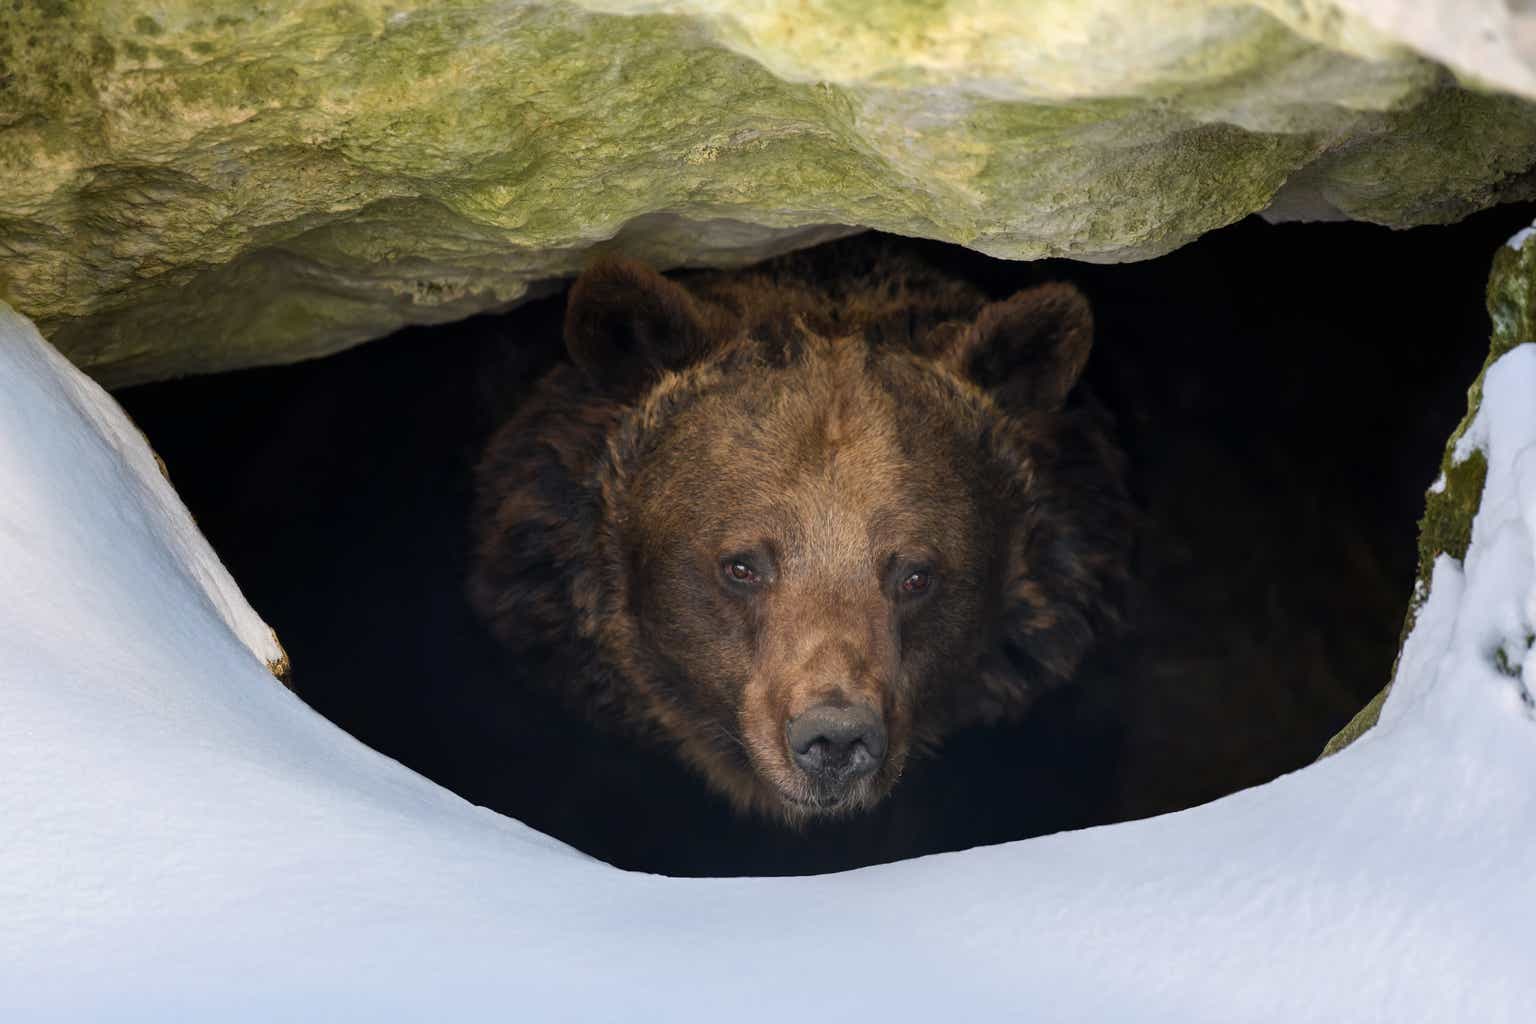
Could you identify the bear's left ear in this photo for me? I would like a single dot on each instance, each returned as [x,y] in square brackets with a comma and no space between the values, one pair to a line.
[625,323]
[1028,350]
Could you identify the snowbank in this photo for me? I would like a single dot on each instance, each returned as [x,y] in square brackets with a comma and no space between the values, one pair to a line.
[184,838]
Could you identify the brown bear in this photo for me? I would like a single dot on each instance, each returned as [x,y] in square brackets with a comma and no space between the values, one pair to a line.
[800,529]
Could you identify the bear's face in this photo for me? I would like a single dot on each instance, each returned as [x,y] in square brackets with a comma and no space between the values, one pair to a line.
[809,549]
[798,557]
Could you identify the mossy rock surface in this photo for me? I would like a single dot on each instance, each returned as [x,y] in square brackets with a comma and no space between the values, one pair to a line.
[200,185]
[1452,503]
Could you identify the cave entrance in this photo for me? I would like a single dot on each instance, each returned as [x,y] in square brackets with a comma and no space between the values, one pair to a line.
[1284,393]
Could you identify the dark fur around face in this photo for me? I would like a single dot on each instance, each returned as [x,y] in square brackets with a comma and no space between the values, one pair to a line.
[834,437]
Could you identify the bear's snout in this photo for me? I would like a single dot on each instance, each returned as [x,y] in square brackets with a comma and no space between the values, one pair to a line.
[836,746]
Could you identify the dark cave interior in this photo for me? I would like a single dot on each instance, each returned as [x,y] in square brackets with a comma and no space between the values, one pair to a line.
[1284,393]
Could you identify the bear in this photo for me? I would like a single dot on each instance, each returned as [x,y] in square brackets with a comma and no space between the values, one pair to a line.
[799,524]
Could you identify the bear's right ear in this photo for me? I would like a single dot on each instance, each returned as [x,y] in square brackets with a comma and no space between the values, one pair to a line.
[625,323]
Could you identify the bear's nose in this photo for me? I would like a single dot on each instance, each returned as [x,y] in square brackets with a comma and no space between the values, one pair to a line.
[838,744]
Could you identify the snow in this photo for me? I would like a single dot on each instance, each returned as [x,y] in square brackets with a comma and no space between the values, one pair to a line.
[185,839]
[1518,239]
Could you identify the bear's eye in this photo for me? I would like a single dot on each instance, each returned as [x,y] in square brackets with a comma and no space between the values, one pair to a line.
[916,582]
[741,572]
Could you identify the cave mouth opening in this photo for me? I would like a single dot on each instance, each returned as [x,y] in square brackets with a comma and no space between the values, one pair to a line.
[1283,392]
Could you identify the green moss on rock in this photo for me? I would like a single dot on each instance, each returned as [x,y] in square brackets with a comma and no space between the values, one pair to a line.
[1446,528]
[205,186]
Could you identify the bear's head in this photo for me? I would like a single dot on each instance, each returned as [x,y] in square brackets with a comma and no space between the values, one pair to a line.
[798,537]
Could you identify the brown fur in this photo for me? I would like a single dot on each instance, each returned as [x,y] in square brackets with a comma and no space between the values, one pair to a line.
[841,432]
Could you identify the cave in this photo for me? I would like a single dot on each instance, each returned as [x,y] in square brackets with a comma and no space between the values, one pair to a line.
[1283,393]
[271,274]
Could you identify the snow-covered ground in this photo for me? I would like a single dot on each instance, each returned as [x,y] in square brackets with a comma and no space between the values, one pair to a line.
[181,838]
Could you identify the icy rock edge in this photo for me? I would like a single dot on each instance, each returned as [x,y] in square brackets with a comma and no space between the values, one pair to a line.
[1476,494]
[109,471]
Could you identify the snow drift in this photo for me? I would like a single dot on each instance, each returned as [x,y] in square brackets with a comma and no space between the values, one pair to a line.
[184,837]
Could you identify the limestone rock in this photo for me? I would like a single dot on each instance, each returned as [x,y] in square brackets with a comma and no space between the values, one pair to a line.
[194,186]
[1488,41]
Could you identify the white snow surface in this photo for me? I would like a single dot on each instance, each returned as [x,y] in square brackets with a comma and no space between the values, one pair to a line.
[184,839]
